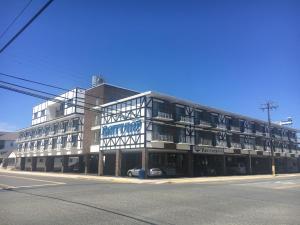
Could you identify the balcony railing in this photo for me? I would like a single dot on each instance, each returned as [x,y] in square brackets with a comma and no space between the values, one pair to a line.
[163,137]
[221,144]
[259,147]
[184,139]
[203,141]
[203,123]
[164,115]
[186,119]
[248,146]
[236,145]
[234,128]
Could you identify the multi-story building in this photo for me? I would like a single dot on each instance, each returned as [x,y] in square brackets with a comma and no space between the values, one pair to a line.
[7,146]
[151,130]
[60,132]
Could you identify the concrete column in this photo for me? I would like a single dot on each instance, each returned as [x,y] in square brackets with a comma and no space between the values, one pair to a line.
[118,163]
[86,163]
[224,166]
[46,166]
[100,164]
[33,163]
[250,164]
[145,158]
[190,162]
[64,163]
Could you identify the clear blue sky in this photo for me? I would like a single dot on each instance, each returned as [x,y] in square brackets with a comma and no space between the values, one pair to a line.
[232,55]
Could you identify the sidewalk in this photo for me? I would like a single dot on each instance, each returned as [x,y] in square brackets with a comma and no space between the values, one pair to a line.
[149,181]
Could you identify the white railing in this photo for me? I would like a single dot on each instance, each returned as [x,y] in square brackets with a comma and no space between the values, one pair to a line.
[259,147]
[163,137]
[233,128]
[203,141]
[164,115]
[186,119]
[235,145]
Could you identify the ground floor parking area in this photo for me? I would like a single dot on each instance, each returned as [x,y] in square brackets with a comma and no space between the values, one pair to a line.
[170,163]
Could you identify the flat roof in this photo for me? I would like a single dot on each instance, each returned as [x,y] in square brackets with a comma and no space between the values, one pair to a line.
[179,101]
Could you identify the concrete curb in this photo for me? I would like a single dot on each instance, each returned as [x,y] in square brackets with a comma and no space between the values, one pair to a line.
[150,181]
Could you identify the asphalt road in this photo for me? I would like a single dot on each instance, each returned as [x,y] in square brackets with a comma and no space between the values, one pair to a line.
[33,200]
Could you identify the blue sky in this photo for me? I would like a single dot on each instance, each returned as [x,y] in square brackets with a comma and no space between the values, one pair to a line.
[232,55]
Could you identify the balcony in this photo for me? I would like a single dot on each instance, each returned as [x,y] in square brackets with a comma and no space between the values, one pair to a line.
[248,146]
[236,129]
[163,137]
[164,116]
[203,123]
[186,120]
[236,145]
[248,131]
[259,148]
[184,139]
[221,126]
[221,144]
[206,142]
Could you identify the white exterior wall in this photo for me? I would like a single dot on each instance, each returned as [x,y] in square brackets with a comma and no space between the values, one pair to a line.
[50,107]
[123,125]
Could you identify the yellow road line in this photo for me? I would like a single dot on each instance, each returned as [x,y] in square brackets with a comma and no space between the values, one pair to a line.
[26,178]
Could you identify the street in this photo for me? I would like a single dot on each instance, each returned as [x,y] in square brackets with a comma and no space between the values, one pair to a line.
[27,199]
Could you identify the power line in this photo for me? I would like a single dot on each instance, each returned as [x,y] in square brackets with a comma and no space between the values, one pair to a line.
[47,93]
[53,99]
[44,84]
[15,19]
[26,25]
[45,97]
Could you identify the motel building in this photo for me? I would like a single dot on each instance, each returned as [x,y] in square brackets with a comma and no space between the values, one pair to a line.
[59,137]
[151,130]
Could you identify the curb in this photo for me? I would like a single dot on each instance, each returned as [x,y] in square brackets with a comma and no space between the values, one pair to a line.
[154,181]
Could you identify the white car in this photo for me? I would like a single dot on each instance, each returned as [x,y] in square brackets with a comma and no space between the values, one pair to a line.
[153,172]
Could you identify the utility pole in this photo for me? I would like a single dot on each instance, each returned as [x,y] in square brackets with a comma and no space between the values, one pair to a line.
[269,106]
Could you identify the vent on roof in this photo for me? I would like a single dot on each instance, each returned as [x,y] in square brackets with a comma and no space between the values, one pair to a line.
[97,80]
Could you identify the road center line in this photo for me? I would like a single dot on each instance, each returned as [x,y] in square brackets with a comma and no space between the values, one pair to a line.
[26,178]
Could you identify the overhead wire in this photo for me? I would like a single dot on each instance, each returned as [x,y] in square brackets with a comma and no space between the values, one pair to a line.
[15,19]
[44,7]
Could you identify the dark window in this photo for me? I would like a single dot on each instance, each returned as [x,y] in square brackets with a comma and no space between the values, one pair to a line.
[64,141]
[2,144]
[46,143]
[55,128]
[76,124]
[54,143]
[74,140]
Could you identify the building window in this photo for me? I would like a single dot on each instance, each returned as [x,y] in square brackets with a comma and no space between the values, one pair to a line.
[162,110]
[2,144]
[46,144]
[31,146]
[55,128]
[69,103]
[76,125]
[65,126]
[97,120]
[64,141]
[162,133]
[38,145]
[74,140]
[35,115]
[43,112]
[47,129]
[96,139]
[54,143]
